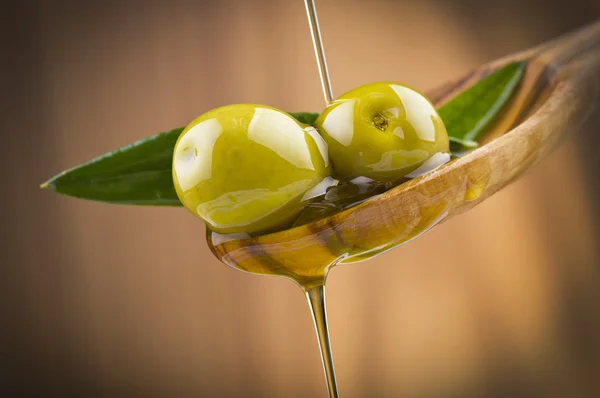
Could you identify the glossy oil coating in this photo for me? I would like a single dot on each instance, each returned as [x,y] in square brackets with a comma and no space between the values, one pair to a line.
[382,131]
[247,168]
[546,108]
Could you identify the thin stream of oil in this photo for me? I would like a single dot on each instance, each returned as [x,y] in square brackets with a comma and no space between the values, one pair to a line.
[315,31]
[316,294]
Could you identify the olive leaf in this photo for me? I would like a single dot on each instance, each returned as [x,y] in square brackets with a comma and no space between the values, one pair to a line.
[468,115]
[305,117]
[137,174]
[140,173]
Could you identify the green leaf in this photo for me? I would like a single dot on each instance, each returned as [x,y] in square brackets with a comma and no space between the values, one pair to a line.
[140,173]
[305,117]
[136,174]
[468,115]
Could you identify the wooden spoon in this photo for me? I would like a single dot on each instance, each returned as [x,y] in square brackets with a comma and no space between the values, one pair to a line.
[560,90]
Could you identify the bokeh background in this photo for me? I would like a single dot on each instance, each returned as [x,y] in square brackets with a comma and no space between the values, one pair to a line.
[114,301]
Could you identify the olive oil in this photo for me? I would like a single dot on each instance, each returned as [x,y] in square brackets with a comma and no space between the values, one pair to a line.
[316,301]
[333,237]
[315,31]
[308,259]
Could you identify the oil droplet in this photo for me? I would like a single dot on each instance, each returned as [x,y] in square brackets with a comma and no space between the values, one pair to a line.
[474,190]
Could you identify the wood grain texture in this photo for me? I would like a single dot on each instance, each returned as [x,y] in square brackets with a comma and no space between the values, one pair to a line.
[560,90]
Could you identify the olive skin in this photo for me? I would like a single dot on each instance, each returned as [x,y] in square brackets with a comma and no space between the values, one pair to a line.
[382,131]
[247,168]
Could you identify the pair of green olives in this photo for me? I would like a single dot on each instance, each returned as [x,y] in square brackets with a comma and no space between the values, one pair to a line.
[251,168]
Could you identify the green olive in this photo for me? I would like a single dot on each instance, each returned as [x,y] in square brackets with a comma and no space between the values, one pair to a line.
[248,168]
[382,131]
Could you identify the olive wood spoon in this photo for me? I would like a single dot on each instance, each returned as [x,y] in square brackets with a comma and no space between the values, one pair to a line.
[559,91]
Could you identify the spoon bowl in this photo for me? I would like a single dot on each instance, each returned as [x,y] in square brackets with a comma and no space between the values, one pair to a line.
[559,91]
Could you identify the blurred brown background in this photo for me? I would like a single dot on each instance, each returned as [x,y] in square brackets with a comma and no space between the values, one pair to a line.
[110,301]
